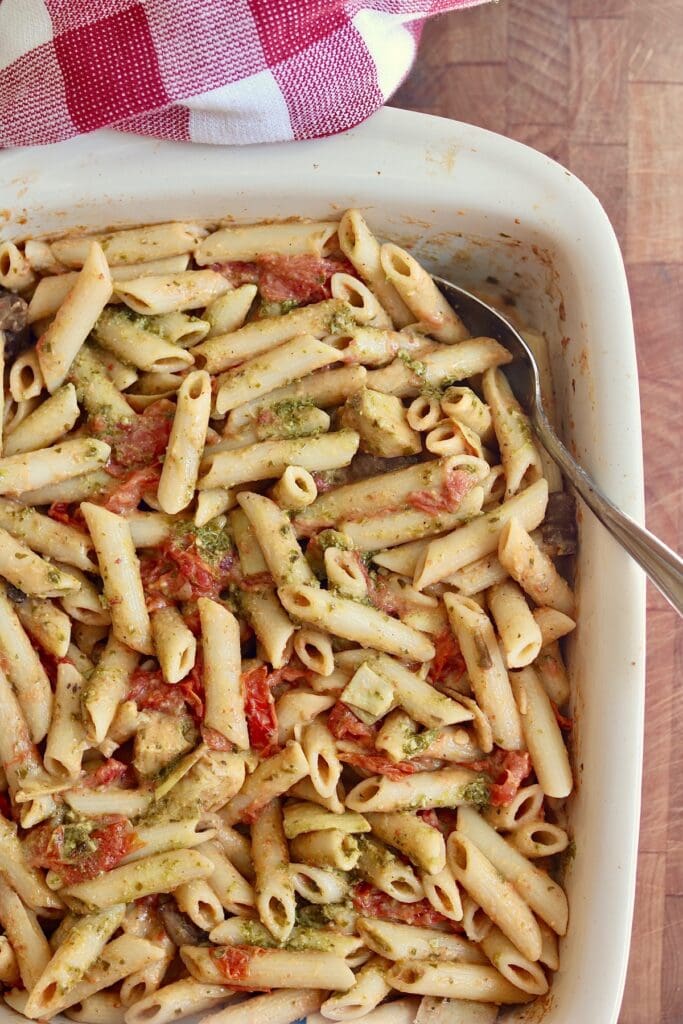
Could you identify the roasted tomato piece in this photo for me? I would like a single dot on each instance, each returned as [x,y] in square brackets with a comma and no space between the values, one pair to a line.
[80,850]
[372,902]
[377,764]
[259,708]
[344,725]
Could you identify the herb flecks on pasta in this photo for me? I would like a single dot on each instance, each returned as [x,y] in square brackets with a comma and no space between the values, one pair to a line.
[284,709]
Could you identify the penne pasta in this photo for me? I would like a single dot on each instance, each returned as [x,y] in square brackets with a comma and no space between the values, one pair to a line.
[273,1008]
[542,734]
[228,312]
[368,990]
[247,242]
[474,982]
[170,293]
[25,377]
[26,881]
[275,900]
[58,541]
[224,351]
[409,525]
[553,674]
[29,471]
[273,369]
[543,895]
[345,618]
[177,999]
[269,459]
[132,245]
[408,375]
[448,787]
[318,885]
[398,1011]
[386,490]
[533,570]
[174,643]
[119,959]
[443,892]
[518,453]
[15,269]
[107,687]
[81,947]
[120,571]
[519,633]
[272,778]
[323,389]
[480,537]
[188,434]
[422,844]
[421,295]
[25,936]
[278,968]
[95,391]
[66,739]
[363,250]
[488,676]
[162,872]
[74,319]
[31,574]
[49,422]
[496,897]
[221,646]
[125,337]
[515,967]
[399,941]
[24,669]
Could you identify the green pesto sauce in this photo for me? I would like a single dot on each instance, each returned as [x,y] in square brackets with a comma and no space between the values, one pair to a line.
[341,321]
[333,539]
[415,743]
[253,933]
[77,841]
[289,419]
[308,938]
[267,309]
[213,541]
[477,793]
[322,916]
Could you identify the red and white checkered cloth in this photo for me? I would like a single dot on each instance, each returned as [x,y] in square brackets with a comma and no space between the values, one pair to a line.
[219,71]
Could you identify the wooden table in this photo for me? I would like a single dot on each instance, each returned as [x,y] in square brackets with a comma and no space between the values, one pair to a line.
[603,94]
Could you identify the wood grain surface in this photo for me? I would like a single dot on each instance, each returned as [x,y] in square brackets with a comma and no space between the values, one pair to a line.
[598,85]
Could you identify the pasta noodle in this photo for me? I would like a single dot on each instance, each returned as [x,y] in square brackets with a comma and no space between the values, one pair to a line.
[74,319]
[284,726]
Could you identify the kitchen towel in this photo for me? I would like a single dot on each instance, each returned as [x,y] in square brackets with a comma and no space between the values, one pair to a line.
[217,71]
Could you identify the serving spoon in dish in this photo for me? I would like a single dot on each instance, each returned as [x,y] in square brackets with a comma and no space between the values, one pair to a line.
[663,566]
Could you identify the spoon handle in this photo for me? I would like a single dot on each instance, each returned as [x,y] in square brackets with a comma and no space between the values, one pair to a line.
[663,566]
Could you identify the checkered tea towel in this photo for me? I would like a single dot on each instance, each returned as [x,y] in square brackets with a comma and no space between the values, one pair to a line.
[218,71]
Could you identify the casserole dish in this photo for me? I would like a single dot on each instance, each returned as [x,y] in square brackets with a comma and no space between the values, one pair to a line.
[473,206]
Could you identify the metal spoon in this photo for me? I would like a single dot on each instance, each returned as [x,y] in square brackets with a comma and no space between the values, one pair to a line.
[663,566]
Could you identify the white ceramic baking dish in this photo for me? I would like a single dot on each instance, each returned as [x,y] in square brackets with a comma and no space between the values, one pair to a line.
[473,205]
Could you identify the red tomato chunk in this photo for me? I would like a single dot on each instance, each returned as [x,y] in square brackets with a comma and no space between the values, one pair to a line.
[371,902]
[344,725]
[448,499]
[299,279]
[139,442]
[507,769]
[377,764]
[76,852]
[259,707]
